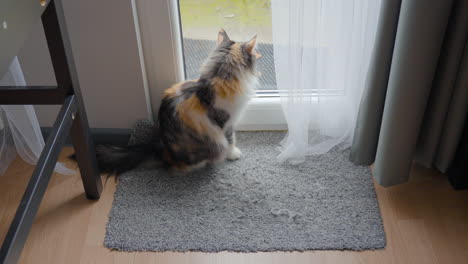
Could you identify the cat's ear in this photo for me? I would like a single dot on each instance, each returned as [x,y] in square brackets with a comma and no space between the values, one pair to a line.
[250,45]
[222,36]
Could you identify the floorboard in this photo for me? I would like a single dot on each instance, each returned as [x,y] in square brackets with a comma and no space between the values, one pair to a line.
[425,220]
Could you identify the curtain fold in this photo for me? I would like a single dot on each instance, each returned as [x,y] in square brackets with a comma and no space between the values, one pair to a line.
[366,134]
[455,116]
[444,88]
[419,112]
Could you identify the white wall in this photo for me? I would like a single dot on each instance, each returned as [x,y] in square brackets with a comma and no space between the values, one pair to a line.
[106,55]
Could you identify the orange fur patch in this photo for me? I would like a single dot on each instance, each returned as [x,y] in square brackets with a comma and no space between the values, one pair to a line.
[173,91]
[227,89]
[189,107]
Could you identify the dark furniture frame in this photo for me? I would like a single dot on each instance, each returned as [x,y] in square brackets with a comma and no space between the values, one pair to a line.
[458,171]
[70,120]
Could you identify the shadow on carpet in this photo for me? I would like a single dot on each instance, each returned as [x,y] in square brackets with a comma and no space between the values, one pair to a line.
[253,204]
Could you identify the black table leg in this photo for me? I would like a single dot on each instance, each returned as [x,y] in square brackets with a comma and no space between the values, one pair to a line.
[85,155]
[27,209]
[55,29]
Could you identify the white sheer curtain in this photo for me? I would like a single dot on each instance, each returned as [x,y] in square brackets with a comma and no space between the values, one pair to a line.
[19,129]
[322,51]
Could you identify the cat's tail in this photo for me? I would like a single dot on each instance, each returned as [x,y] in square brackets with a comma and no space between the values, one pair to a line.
[119,159]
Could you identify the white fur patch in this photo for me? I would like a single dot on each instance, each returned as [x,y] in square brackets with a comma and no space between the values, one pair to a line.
[236,107]
[234,153]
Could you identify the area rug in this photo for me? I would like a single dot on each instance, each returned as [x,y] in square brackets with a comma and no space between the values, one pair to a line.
[249,205]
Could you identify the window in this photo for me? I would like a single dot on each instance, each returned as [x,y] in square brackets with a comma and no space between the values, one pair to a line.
[201,20]
[176,43]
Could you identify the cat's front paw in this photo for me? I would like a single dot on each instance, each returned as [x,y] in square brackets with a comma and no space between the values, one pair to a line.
[234,154]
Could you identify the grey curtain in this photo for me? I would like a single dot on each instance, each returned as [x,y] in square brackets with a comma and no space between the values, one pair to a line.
[416,95]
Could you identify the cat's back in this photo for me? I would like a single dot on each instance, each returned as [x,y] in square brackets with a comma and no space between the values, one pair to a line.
[187,103]
[182,89]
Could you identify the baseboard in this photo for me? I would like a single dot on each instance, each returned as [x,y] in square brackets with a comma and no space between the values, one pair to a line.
[118,136]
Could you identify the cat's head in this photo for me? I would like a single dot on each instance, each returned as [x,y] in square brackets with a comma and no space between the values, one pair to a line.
[231,58]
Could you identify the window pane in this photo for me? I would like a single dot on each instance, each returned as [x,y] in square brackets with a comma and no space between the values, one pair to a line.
[242,19]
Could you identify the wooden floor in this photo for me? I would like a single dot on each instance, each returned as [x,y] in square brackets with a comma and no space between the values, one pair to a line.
[425,222]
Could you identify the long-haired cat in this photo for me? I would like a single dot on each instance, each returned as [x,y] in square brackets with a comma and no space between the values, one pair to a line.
[196,118]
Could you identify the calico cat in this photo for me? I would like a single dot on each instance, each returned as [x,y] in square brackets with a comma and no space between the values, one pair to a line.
[196,118]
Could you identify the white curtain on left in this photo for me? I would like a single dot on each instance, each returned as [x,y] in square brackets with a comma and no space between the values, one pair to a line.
[19,129]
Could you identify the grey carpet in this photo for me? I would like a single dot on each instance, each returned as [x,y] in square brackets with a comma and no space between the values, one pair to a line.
[253,204]
[197,50]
